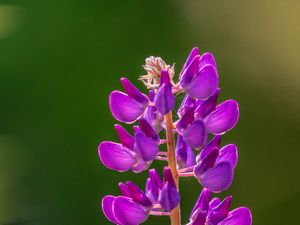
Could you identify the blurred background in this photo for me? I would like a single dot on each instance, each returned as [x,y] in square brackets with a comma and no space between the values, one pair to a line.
[59,60]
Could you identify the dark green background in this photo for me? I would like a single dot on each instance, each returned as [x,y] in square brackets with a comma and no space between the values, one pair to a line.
[59,60]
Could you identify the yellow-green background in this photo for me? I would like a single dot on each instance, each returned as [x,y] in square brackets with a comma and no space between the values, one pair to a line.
[60,59]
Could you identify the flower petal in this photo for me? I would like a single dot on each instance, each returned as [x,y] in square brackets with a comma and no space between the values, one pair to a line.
[223,118]
[207,58]
[184,154]
[203,108]
[124,108]
[185,120]
[204,84]
[168,177]
[168,197]
[190,72]
[239,216]
[219,212]
[186,104]
[146,147]
[124,189]
[195,135]
[202,202]
[141,166]
[133,92]
[218,178]
[214,202]
[125,138]
[148,130]
[116,157]
[211,146]
[107,208]
[228,153]
[138,195]
[127,212]
[194,52]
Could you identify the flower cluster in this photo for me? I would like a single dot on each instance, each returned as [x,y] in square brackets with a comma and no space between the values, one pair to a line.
[197,152]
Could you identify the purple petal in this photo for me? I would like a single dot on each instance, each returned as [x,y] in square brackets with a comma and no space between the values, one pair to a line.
[191,56]
[190,72]
[218,178]
[210,147]
[141,166]
[186,104]
[206,163]
[133,92]
[185,120]
[207,106]
[146,128]
[125,138]
[220,212]
[204,84]
[164,99]
[168,197]
[199,218]
[223,118]
[153,185]
[125,108]
[146,147]
[107,208]
[128,212]
[239,216]
[116,156]
[195,135]
[228,153]
[154,176]
[207,58]
[138,195]
[202,202]
[124,189]
[168,177]
[184,154]
[214,202]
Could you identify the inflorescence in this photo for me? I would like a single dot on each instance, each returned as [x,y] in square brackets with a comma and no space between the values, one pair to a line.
[193,144]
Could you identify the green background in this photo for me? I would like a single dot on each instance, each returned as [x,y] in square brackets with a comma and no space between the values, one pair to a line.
[59,60]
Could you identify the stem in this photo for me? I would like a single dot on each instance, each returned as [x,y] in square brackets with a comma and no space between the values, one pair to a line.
[175,214]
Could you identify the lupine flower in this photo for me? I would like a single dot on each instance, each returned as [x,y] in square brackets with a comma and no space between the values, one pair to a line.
[215,212]
[134,206]
[198,118]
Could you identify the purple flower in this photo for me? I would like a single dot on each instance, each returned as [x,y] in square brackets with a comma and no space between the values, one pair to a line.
[134,206]
[135,153]
[215,212]
[198,118]
[129,106]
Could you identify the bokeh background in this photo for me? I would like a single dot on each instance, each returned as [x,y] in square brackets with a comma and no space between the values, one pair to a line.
[59,60]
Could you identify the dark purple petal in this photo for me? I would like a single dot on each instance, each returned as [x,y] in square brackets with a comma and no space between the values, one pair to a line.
[199,218]
[125,108]
[164,99]
[168,197]
[124,189]
[204,84]
[146,128]
[206,163]
[195,135]
[190,72]
[202,202]
[153,185]
[133,92]
[125,138]
[146,147]
[207,58]
[184,154]
[107,208]
[210,147]
[116,156]
[214,202]
[186,104]
[220,212]
[207,106]
[218,178]
[239,216]
[185,120]
[127,212]
[168,177]
[138,195]
[191,56]
[223,118]
[228,153]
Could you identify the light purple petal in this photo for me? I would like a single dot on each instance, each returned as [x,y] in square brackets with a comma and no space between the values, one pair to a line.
[223,118]
[207,58]
[141,166]
[219,212]
[133,92]
[228,153]
[116,157]
[239,216]
[128,212]
[146,147]
[124,108]
[202,202]
[164,99]
[184,154]
[204,84]
[125,138]
[168,197]
[218,178]
[190,72]
[203,108]
[195,135]
[138,195]
[107,208]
